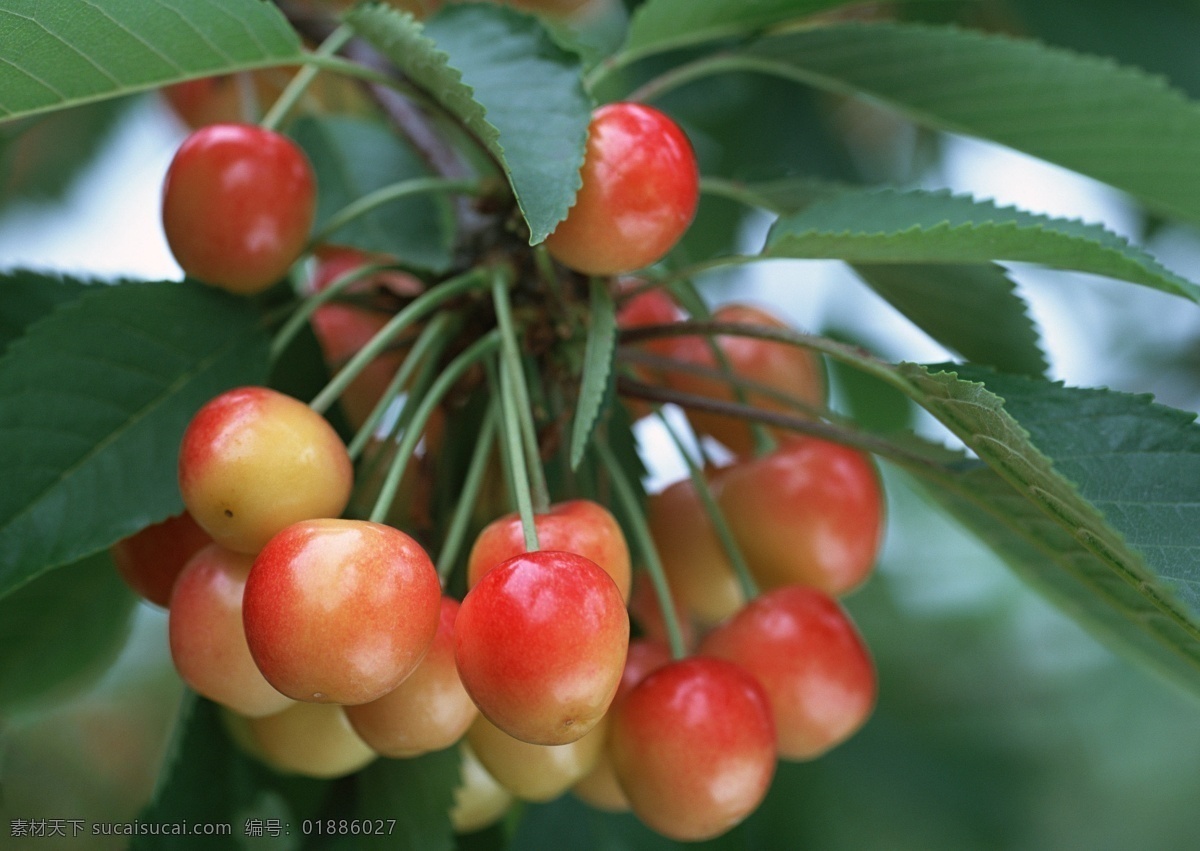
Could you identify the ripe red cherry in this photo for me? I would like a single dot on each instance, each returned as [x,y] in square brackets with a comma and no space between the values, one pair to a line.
[809,513]
[340,611]
[429,711]
[238,204]
[805,652]
[540,642]
[793,371]
[208,643]
[150,560]
[253,461]
[638,196]
[693,747]
[577,526]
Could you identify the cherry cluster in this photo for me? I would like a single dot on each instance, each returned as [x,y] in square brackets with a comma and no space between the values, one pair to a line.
[330,639]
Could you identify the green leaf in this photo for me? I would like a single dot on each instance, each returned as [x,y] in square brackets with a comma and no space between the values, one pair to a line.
[93,403]
[207,780]
[972,309]
[63,54]
[597,368]
[513,87]
[27,296]
[890,226]
[1119,125]
[354,156]
[61,631]
[1063,501]
[416,793]
[665,24]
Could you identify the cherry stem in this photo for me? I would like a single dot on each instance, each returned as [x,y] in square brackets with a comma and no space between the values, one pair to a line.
[519,473]
[644,542]
[299,84]
[310,304]
[715,515]
[386,195]
[419,307]
[416,426]
[763,442]
[426,348]
[512,367]
[457,531]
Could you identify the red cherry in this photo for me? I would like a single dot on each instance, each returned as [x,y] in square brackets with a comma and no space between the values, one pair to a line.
[577,526]
[640,188]
[809,513]
[540,642]
[804,650]
[152,559]
[693,747]
[238,204]
[340,611]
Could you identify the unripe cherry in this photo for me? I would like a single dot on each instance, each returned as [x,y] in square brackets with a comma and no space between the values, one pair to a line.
[430,710]
[693,747]
[540,642]
[208,644]
[803,649]
[478,799]
[340,611]
[311,739]
[253,461]
[578,526]
[534,772]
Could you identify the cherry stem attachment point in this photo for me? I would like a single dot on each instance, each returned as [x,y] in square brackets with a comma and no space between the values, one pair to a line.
[644,542]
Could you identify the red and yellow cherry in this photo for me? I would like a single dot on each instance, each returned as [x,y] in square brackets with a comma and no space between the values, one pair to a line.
[478,799]
[311,739]
[540,642]
[340,611]
[803,649]
[600,788]
[790,370]
[208,644]
[578,526]
[430,710]
[640,187]
[695,564]
[534,772]
[238,204]
[150,560]
[693,747]
[809,513]
[253,461]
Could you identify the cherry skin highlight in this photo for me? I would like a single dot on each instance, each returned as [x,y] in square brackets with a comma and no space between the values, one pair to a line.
[577,526]
[803,649]
[693,747]
[253,461]
[640,188]
[238,203]
[540,642]
[340,611]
